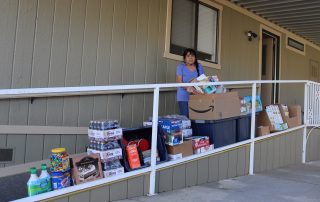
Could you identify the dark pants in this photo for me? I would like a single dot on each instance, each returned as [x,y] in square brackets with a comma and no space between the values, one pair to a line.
[184,108]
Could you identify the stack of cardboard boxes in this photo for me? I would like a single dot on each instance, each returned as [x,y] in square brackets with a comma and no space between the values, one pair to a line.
[277,118]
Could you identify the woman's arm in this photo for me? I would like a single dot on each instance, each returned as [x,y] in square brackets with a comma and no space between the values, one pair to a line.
[189,89]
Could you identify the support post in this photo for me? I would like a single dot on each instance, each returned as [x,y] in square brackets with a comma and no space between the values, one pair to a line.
[305,122]
[154,141]
[253,127]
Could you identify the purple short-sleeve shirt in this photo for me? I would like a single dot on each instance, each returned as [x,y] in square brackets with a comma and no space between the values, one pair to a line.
[187,75]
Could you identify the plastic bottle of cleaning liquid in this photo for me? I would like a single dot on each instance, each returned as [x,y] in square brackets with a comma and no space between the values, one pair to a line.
[33,183]
[45,179]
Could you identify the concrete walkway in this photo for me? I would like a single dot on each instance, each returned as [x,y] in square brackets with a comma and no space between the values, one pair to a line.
[293,183]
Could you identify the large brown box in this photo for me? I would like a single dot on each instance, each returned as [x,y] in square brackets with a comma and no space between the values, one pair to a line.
[185,148]
[214,106]
[294,118]
[262,130]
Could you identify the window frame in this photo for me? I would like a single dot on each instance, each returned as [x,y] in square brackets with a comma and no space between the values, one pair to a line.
[295,49]
[169,55]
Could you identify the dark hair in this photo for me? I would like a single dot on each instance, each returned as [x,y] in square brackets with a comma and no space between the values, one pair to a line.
[194,53]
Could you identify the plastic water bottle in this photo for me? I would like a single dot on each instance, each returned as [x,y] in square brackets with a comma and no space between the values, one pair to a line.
[33,183]
[45,179]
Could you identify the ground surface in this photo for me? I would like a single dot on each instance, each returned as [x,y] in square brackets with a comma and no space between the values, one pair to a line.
[293,183]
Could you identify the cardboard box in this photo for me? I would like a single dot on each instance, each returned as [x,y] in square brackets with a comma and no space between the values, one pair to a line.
[86,168]
[263,120]
[214,106]
[185,149]
[169,126]
[203,149]
[200,141]
[174,157]
[262,130]
[294,118]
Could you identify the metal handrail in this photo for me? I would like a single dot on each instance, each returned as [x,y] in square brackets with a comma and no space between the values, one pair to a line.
[7,94]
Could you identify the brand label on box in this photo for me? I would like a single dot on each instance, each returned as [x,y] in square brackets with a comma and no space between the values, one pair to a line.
[113,172]
[198,142]
[203,149]
[111,154]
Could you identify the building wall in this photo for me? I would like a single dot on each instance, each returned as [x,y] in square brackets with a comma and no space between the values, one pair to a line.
[51,43]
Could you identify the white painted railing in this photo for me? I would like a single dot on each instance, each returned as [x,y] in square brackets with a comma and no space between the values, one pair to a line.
[311,118]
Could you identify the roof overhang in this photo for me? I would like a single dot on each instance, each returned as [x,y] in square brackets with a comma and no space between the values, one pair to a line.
[301,17]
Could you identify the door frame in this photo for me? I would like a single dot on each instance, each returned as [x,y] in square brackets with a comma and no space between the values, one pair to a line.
[279,35]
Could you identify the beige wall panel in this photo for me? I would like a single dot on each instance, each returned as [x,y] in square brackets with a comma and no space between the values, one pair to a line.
[161,61]
[135,187]
[165,180]
[263,155]
[100,194]
[82,197]
[179,177]
[276,153]
[42,44]
[114,103]
[50,141]
[141,42]
[241,163]
[203,171]
[58,60]
[34,148]
[126,110]
[213,168]
[103,56]
[148,106]
[69,142]
[66,199]
[8,22]
[117,42]
[247,159]
[152,47]
[287,141]
[74,63]
[270,151]
[81,143]
[118,190]
[191,173]
[282,151]
[223,166]
[257,157]
[298,147]
[232,164]
[25,31]
[137,109]
[89,59]
[130,42]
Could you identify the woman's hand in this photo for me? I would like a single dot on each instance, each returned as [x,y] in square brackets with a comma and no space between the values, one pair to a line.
[190,89]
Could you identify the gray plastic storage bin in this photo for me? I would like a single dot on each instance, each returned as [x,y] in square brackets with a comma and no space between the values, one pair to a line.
[221,132]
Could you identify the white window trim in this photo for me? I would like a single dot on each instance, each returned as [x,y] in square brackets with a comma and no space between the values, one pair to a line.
[294,49]
[172,56]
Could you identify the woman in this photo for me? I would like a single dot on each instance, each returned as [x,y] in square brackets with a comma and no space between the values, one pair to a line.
[185,73]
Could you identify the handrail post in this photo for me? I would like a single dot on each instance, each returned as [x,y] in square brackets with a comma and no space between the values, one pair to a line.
[253,127]
[154,141]
[305,122]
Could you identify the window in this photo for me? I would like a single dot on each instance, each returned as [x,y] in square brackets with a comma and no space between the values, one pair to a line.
[295,45]
[194,24]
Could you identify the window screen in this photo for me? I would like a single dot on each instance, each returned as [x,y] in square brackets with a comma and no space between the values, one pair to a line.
[183,25]
[194,25]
